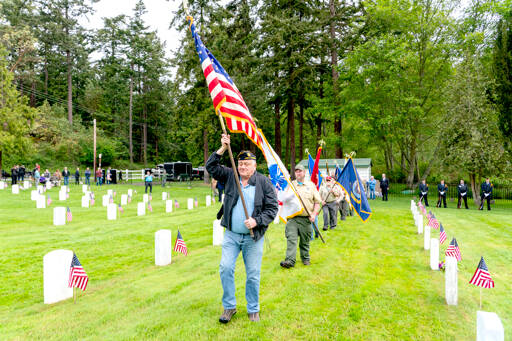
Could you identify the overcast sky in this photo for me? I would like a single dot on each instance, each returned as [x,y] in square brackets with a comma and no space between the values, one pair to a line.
[158,17]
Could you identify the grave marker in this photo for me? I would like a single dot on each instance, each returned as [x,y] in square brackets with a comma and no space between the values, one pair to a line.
[59,216]
[451,290]
[56,266]
[163,247]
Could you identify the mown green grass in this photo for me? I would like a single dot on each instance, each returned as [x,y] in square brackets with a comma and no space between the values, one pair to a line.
[368,282]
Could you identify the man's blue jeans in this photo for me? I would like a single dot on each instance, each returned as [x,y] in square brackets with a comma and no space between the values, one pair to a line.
[372,194]
[87,180]
[66,180]
[253,253]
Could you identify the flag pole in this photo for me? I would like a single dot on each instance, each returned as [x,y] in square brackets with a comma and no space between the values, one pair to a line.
[235,172]
[480,297]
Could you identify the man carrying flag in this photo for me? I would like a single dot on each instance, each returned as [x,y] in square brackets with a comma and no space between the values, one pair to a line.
[299,227]
[261,203]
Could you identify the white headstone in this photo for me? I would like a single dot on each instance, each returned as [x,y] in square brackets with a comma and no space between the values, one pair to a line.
[141,208]
[450,275]
[2,184]
[164,196]
[419,223]
[145,198]
[48,185]
[124,199]
[163,247]
[130,192]
[87,194]
[190,204]
[62,195]
[111,211]
[84,188]
[434,254]
[426,238]
[40,201]
[208,200]
[59,216]
[110,192]
[26,184]
[15,189]
[33,195]
[489,327]
[64,188]
[56,265]
[105,200]
[218,233]
[85,201]
[168,206]
[40,188]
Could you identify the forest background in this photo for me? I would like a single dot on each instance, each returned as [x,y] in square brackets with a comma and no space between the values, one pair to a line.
[423,88]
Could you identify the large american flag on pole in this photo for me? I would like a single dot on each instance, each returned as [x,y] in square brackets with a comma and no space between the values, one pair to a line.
[77,276]
[226,98]
[482,277]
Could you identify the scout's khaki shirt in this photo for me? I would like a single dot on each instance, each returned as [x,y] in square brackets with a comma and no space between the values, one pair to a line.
[329,196]
[309,195]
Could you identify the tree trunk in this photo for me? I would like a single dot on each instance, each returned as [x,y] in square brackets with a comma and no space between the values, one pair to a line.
[0,163]
[334,73]
[33,95]
[205,154]
[287,151]
[412,163]
[277,127]
[130,117]
[338,132]
[474,189]
[291,133]
[318,128]
[45,77]
[145,135]
[70,89]
[301,131]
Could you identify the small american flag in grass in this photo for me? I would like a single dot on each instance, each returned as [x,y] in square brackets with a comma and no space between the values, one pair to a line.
[121,208]
[77,276]
[150,208]
[482,277]
[69,215]
[433,222]
[111,200]
[176,204]
[442,235]
[196,203]
[129,198]
[453,250]
[179,245]
[92,199]
[48,201]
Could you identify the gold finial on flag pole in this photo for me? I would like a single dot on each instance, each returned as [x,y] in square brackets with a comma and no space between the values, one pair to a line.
[351,155]
[306,152]
[321,143]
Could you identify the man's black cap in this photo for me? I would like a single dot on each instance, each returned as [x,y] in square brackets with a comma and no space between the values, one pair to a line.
[246,155]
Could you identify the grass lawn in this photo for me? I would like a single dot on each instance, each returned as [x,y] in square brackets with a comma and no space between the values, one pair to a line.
[368,282]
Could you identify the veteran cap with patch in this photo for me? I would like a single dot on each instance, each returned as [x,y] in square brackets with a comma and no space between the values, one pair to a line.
[246,155]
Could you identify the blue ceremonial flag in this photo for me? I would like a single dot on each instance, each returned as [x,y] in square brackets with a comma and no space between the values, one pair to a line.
[349,180]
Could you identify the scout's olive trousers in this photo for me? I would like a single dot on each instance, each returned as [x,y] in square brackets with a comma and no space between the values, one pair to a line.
[297,228]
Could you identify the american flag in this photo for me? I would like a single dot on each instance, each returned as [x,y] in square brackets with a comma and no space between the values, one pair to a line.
[453,250]
[67,195]
[77,276]
[150,197]
[150,208]
[179,245]
[196,203]
[482,277]
[176,204]
[442,235]
[92,199]
[129,198]
[432,222]
[114,193]
[48,201]
[121,208]
[69,216]
[226,98]
[111,200]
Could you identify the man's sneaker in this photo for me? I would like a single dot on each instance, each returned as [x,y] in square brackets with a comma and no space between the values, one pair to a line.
[325,229]
[286,265]
[227,315]
[306,262]
[254,317]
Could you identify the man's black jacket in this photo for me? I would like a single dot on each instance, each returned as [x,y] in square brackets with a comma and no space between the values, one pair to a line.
[265,198]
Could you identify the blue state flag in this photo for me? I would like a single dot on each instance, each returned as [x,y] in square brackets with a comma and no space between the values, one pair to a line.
[350,181]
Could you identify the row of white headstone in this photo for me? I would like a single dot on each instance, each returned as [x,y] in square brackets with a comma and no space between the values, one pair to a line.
[489,326]
[56,264]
